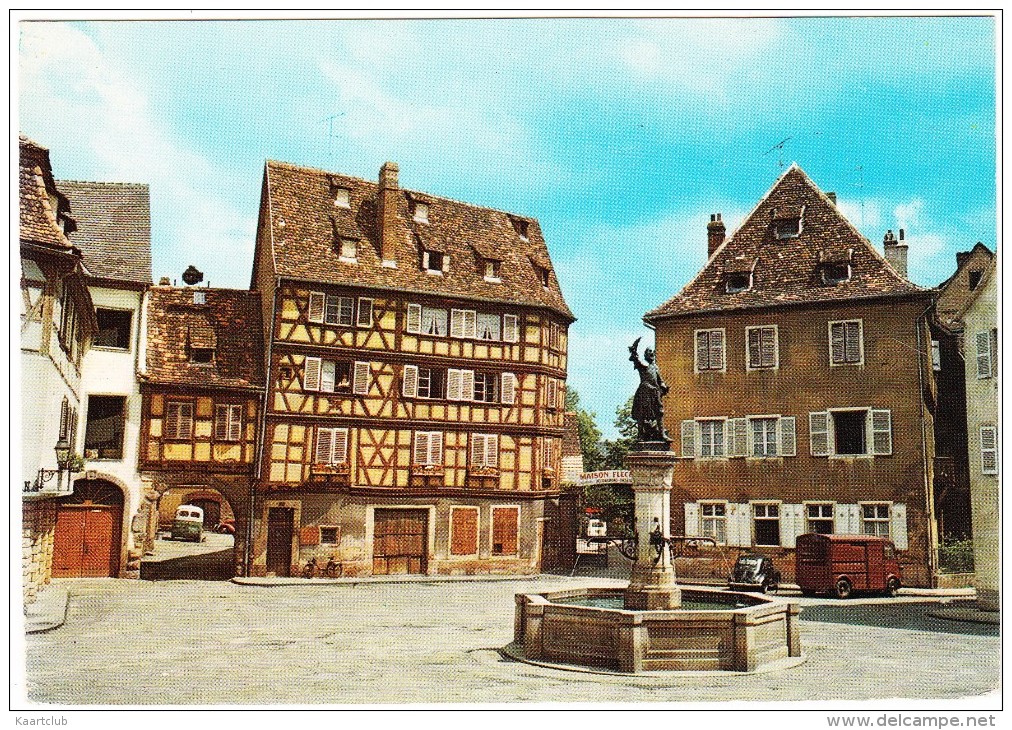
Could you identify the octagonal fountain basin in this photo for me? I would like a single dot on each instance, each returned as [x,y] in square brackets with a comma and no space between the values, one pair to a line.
[714,630]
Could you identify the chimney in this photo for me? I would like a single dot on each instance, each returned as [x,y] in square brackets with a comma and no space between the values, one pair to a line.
[388,223]
[961,257]
[896,251]
[714,234]
[832,197]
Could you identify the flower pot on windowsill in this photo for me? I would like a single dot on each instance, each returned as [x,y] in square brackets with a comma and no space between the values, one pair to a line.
[485,471]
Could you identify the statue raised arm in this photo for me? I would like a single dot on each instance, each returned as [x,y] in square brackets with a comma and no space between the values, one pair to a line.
[647,408]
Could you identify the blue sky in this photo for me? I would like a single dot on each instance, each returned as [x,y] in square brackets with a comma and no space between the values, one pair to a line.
[620,135]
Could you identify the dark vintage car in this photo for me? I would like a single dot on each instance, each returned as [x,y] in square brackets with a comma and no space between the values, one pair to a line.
[754,573]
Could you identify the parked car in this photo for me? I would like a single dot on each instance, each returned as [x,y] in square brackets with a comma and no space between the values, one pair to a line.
[754,572]
[188,523]
[844,564]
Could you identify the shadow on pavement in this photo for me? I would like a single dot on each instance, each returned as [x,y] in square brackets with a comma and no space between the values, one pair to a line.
[910,616]
[205,566]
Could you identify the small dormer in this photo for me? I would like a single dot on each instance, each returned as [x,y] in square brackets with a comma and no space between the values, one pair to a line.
[201,343]
[346,240]
[347,250]
[419,211]
[738,275]
[788,222]
[340,192]
[521,226]
[836,267]
[492,270]
[435,257]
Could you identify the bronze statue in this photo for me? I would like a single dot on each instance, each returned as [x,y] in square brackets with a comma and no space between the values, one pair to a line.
[647,409]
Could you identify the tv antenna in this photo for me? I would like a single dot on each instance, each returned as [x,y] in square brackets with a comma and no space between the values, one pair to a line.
[860,186]
[779,146]
[330,136]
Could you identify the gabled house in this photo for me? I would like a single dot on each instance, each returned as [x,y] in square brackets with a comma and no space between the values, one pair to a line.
[800,374]
[57,326]
[416,364]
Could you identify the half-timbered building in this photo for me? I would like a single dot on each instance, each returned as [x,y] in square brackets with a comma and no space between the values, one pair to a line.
[416,366]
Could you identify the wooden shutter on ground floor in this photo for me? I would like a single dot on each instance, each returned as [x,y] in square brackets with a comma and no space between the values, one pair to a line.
[792,523]
[692,528]
[846,519]
[738,524]
[504,530]
[463,530]
[898,526]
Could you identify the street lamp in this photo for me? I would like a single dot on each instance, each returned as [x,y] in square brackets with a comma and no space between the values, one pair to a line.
[62,463]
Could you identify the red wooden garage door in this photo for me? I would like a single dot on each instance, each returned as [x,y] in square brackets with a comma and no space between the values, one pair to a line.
[84,546]
[400,539]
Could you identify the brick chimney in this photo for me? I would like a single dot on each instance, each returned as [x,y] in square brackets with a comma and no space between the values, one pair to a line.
[832,197]
[896,252]
[714,234]
[388,222]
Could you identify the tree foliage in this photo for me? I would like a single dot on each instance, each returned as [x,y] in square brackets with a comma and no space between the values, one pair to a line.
[615,450]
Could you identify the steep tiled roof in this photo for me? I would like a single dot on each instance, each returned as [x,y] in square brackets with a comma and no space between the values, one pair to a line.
[229,322]
[35,177]
[955,292]
[305,222]
[113,228]
[789,270]
[571,436]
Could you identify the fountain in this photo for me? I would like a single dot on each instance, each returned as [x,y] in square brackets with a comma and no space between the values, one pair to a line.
[655,625]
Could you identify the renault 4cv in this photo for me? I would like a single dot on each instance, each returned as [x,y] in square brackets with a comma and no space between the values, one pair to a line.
[753,572]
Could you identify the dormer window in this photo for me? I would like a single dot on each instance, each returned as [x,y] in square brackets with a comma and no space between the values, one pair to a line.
[974,279]
[202,356]
[520,226]
[433,261]
[789,228]
[421,212]
[199,297]
[545,275]
[738,281]
[348,250]
[835,273]
[492,270]
[342,198]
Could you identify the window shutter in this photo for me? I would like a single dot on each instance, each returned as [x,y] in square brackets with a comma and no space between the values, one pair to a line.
[702,350]
[983,355]
[364,312]
[171,421]
[311,374]
[421,455]
[510,328]
[738,428]
[414,324]
[792,523]
[818,433]
[477,450]
[221,423]
[436,448]
[470,318]
[457,323]
[881,433]
[768,339]
[454,384]
[467,384]
[235,423]
[754,348]
[853,342]
[409,387]
[717,350]
[317,302]
[837,342]
[898,526]
[340,445]
[328,376]
[692,520]
[492,450]
[854,518]
[325,445]
[360,384]
[738,524]
[508,389]
[551,393]
[688,439]
[988,450]
[185,420]
[788,436]
[841,518]
[65,419]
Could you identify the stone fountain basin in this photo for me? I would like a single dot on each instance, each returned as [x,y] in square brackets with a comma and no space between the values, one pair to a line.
[748,633]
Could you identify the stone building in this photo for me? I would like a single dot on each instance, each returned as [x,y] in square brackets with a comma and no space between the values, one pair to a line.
[201,387]
[57,325]
[93,535]
[799,365]
[416,364]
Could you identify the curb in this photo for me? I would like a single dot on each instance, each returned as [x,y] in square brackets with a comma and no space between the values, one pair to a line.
[48,612]
[367,580]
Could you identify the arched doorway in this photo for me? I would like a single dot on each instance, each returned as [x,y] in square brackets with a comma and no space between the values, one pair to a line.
[89,531]
[212,557]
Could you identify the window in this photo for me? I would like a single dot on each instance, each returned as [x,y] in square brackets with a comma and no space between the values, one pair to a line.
[520,226]
[850,429]
[988,449]
[228,422]
[987,353]
[422,382]
[551,393]
[342,198]
[764,436]
[426,320]
[103,435]
[484,451]
[738,281]
[486,387]
[713,521]
[432,261]
[510,328]
[463,323]
[428,451]
[348,250]
[766,524]
[787,228]
[326,376]
[113,328]
[544,274]
[851,432]
[820,518]
[340,310]
[846,342]
[936,356]
[178,421]
[509,389]
[554,336]
[421,212]
[330,535]
[459,384]
[875,519]
[973,279]
[491,270]
[199,297]
[835,273]
[331,446]
[709,350]
[488,326]
[711,438]
[763,347]
[202,355]
[463,530]
[505,523]
[364,312]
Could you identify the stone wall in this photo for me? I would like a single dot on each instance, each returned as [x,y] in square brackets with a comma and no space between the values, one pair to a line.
[37,528]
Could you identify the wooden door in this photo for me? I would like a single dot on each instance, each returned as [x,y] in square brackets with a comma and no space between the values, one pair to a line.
[84,544]
[280,530]
[400,541]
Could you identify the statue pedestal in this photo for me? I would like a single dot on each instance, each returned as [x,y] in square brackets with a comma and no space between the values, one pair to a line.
[652,583]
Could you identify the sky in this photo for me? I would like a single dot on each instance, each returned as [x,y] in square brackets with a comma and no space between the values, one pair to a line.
[621,136]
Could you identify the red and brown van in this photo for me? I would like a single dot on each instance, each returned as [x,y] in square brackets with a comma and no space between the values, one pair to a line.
[843,564]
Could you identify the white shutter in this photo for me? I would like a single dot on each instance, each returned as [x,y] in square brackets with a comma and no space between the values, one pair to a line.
[988,450]
[881,432]
[364,312]
[409,386]
[837,342]
[467,384]
[457,323]
[841,518]
[421,455]
[792,523]
[788,436]
[717,350]
[477,450]
[983,354]
[510,328]
[446,262]
[436,448]
[317,301]
[235,423]
[414,324]
[454,384]
[688,439]
[854,519]
[508,390]
[702,350]
[739,525]
[818,433]
[340,455]
[692,520]
[898,526]
[311,374]
[328,376]
[470,323]
[738,428]
[325,445]
[853,341]
[360,382]
[492,450]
